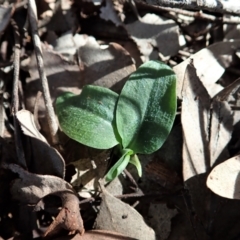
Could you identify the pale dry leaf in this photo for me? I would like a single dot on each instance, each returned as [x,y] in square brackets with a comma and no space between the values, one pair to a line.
[29,188]
[195,123]
[88,172]
[221,131]
[108,67]
[153,31]
[28,126]
[224,179]
[115,215]
[44,158]
[211,63]
[67,44]
[109,13]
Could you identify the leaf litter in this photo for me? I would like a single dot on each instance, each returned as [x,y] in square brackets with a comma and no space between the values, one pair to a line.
[189,188]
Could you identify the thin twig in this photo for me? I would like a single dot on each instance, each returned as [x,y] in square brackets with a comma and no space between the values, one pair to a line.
[130,177]
[196,15]
[52,122]
[220,6]
[15,96]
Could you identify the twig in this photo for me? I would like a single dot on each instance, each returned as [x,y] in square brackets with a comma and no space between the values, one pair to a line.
[15,96]
[221,6]
[130,177]
[196,15]
[52,122]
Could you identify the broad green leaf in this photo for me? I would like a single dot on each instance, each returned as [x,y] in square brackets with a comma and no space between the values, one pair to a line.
[120,165]
[89,117]
[146,107]
[135,161]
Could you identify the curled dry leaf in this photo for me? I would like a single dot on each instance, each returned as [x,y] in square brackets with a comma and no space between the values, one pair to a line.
[44,158]
[211,63]
[151,32]
[115,215]
[69,217]
[29,188]
[224,179]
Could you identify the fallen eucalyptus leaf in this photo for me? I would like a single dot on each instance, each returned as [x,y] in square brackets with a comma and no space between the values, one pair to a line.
[115,215]
[195,123]
[224,179]
[43,159]
[153,31]
[210,63]
[29,188]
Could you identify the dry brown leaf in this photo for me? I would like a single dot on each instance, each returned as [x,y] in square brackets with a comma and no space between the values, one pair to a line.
[211,63]
[69,217]
[153,31]
[115,215]
[44,158]
[29,188]
[62,76]
[107,67]
[195,123]
[224,179]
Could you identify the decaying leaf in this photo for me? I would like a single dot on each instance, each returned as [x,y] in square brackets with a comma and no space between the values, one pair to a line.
[29,188]
[210,63]
[107,67]
[207,126]
[88,172]
[115,215]
[153,31]
[195,124]
[69,217]
[44,158]
[224,179]
[62,76]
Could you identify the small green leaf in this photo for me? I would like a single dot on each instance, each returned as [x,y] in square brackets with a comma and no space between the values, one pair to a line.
[120,165]
[89,117]
[146,107]
[135,161]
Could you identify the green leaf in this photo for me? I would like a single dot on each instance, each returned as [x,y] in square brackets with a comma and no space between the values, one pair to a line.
[120,165]
[135,161]
[89,117]
[146,107]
